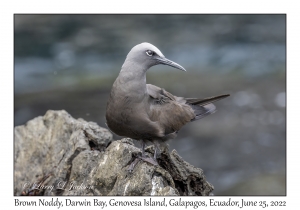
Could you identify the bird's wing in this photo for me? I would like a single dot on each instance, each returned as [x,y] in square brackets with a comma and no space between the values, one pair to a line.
[159,94]
[173,112]
[170,111]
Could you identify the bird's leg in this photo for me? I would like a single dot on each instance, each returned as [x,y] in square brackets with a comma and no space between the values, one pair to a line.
[156,151]
[143,157]
[143,148]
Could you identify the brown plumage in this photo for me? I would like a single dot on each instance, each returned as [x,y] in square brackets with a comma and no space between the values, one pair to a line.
[146,112]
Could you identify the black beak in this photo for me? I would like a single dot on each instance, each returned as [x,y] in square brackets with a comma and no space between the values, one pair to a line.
[168,62]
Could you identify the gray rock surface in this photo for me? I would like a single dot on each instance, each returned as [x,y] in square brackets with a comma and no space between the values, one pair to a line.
[56,154]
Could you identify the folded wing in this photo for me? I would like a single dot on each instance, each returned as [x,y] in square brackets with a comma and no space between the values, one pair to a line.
[173,112]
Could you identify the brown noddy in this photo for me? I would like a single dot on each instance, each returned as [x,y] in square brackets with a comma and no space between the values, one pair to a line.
[146,112]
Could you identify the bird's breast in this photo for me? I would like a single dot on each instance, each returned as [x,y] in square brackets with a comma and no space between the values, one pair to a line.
[123,114]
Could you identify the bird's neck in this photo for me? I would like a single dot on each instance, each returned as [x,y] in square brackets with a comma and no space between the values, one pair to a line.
[132,78]
[132,71]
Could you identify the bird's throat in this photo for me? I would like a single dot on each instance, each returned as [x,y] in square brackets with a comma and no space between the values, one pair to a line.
[132,81]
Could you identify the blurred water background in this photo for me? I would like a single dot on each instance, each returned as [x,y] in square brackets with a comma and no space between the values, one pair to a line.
[70,62]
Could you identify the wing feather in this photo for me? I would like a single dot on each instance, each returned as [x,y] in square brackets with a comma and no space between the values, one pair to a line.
[173,112]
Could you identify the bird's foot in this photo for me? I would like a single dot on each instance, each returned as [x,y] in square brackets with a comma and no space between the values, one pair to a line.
[149,160]
[143,158]
[133,164]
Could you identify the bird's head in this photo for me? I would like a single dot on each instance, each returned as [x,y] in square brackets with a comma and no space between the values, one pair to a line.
[148,55]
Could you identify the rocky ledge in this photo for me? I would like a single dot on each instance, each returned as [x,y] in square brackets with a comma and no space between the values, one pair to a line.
[56,154]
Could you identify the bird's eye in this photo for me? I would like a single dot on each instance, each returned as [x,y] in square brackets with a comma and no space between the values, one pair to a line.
[149,53]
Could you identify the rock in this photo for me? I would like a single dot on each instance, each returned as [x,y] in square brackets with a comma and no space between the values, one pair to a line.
[59,155]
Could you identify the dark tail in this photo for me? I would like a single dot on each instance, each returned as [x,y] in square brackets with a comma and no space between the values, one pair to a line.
[203,102]
[204,107]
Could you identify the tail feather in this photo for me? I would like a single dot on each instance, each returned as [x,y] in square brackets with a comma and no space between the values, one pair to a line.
[203,102]
[203,107]
[202,111]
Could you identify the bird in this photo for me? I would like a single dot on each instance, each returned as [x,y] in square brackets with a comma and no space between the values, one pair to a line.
[148,113]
